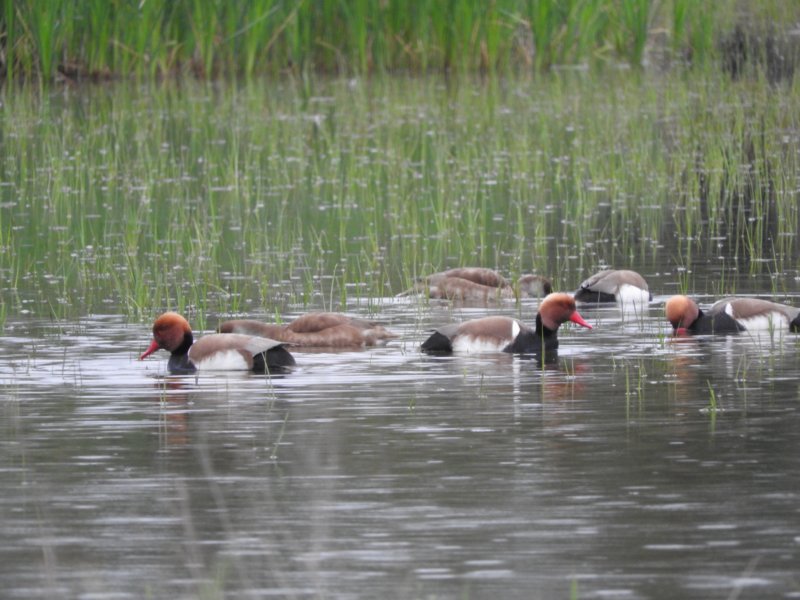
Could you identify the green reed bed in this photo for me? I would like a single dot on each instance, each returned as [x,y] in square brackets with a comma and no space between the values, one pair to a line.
[101,39]
[242,198]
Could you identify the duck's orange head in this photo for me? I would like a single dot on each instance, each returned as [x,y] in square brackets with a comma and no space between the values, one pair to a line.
[170,331]
[681,312]
[559,308]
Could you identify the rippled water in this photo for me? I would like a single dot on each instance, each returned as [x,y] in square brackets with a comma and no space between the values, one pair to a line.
[634,467]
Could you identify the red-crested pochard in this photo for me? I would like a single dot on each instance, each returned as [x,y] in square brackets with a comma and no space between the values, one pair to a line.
[316,329]
[731,315]
[478,284]
[614,285]
[504,334]
[214,352]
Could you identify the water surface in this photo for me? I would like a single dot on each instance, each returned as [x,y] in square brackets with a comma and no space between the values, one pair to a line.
[633,466]
[610,473]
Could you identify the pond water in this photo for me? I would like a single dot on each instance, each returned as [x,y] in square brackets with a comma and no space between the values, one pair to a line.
[635,466]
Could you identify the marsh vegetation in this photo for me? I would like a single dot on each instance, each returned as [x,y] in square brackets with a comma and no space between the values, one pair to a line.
[97,40]
[227,198]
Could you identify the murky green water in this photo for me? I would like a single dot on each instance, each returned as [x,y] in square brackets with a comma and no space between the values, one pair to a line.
[634,467]
[388,472]
[238,199]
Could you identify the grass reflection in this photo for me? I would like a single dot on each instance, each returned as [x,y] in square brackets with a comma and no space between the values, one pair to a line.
[236,198]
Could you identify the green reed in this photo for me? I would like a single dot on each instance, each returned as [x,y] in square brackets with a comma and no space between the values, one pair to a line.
[243,198]
[212,38]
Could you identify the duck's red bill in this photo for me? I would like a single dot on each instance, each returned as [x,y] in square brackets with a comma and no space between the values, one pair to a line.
[153,347]
[576,318]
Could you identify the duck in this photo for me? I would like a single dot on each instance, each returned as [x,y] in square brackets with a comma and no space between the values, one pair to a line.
[316,329]
[479,284]
[504,334]
[613,285]
[214,352]
[730,315]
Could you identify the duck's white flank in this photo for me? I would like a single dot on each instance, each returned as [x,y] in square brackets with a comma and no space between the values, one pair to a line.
[769,321]
[223,360]
[630,294]
[477,345]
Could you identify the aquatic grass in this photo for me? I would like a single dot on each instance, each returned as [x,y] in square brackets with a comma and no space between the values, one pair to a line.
[628,391]
[274,454]
[693,30]
[634,387]
[712,408]
[574,589]
[634,17]
[40,25]
[217,198]
[209,39]
[569,32]
[712,398]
